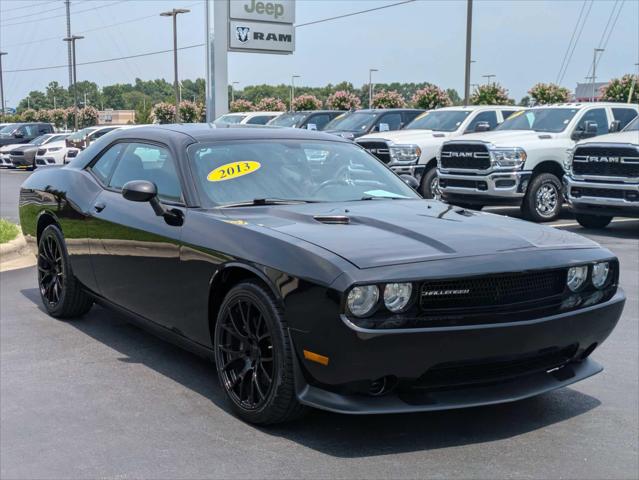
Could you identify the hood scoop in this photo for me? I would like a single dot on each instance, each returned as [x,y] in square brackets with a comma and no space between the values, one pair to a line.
[333,219]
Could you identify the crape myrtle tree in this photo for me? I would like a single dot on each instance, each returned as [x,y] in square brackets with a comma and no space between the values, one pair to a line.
[241,105]
[618,89]
[270,104]
[431,97]
[547,93]
[343,100]
[388,99]
[490,94]
[306,102]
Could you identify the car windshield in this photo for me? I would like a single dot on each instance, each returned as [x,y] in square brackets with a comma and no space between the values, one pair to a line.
[553,120]
[632,126]
[290,171]
[229,119]
[40,140]
[287,119]
[81,134]
[6,130]
[442,121]
[352,122]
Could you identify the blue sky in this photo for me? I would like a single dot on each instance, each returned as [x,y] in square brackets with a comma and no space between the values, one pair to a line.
[521,42]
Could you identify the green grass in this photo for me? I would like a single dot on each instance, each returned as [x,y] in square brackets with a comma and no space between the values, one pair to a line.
[8,231]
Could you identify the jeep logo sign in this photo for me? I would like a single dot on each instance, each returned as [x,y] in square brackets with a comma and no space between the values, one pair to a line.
[260,36]
[280,11]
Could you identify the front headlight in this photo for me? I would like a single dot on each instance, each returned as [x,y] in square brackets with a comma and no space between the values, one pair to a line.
[405,153]
[54,149]
[600,273]
[397,296]
[509,157]
[568,160]
[576,277]
[362,300]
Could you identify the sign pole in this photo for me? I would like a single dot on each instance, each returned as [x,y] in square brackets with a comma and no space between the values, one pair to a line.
[217,95]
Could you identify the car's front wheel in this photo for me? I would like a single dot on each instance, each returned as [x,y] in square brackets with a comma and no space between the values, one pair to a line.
[253,356]
[430,185]
[593,221]
[61,293]
[543,199]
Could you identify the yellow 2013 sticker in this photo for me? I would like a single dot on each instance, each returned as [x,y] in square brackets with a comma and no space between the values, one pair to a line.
[233,170]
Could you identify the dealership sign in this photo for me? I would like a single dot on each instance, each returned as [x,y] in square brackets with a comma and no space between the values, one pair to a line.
[261,26]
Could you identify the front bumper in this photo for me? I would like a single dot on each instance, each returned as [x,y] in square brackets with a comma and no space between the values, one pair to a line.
[602,198]
[5,161]
[21,161]
[502,186]
[359,356]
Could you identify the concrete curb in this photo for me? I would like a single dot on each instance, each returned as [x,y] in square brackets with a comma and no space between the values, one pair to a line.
[15,252]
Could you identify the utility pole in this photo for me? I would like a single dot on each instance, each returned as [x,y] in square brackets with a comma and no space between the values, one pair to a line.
[67,4]
[2,113]
[488,77]
[469,36]
[85,99]
[594,68]
[233,90]
[29,101]
[72,39]
[293,77]
[370,86]
[174,13]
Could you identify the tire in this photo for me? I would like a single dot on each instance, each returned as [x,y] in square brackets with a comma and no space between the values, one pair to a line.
[260,387]
[543,200]
[61,293]
[593,221]
[430,186]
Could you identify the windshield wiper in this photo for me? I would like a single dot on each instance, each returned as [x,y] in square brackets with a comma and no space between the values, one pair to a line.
[371,197]
[268,201]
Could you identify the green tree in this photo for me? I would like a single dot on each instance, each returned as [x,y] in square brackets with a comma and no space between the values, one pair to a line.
[306,102]
[490,94]
[618,89]
[388,99]
[241,105]
[547,93]
[431,97]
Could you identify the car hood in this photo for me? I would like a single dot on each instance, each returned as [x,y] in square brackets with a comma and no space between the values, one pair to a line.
[392,232]
[619,137]
[348,134]
[25,147]
[408,136]
[510,138]
[9,146]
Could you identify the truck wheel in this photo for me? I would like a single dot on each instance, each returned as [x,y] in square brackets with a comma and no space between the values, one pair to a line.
[593,221]
[430,185]
[543,199]
[254,358]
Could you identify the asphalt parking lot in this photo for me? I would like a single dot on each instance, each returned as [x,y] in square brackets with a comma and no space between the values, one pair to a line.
[99,398]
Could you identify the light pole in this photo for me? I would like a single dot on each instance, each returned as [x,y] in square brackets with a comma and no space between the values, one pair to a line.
[73,39]
[293,77]
[370,86]
[1,86]
[233,90]
[594,68]
[174,13]
[469,37]
[488,77]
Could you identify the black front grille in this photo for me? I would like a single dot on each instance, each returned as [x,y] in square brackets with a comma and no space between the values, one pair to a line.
[16,153]
[629,195]
[379,149]
[492,291]
[472,156]
[610,161]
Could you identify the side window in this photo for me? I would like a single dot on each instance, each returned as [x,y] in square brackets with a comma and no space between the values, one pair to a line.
[507,113]
[410,116]
[104,166]
[44,129]
[259,120]
[393,120]
[319,121]
[490,117]
[29,131]
[597,115]
[100,133]
[624,115]
[148,162]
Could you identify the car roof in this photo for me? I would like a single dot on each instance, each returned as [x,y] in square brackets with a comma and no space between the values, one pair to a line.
[587,104]
[472,108]
[204,132]
[384,110]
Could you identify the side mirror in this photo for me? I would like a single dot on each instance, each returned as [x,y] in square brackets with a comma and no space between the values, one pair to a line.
[384,127]
[615,126]
[18,135]
[482,127]
[410,181]
[145,191]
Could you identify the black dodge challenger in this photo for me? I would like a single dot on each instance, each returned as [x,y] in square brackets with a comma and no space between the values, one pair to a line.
[313,275]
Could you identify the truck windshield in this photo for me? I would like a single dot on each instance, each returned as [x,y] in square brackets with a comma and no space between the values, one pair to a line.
[633,126]
[444,121]
[287,119]
[8,129]
[352,122]
[552,120]
[229,119]
[81,134]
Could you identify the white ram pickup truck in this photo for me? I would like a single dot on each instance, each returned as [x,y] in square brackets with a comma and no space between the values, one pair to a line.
[522,161]
[602,177]
[412,150]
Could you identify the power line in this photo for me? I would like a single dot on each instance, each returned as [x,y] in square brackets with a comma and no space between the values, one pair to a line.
[64,14]
[572,37]
[24,7]
[146,54]
[576,40]
[612,28]
[35,13]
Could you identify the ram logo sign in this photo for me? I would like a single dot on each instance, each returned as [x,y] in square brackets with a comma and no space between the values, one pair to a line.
[261,37]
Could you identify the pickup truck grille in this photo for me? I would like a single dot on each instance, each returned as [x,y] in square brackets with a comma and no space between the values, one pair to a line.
[606,161]
[491,291]
[379,149]
[471,156]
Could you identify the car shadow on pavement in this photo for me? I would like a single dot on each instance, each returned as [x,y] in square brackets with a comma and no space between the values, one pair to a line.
[346,436]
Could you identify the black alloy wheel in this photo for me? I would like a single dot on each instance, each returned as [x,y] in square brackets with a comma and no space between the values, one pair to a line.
[61,293]
[253,356]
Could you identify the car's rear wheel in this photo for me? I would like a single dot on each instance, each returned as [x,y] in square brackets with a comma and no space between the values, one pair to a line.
[61,293]
[543,199]
[253,356]
[593,221]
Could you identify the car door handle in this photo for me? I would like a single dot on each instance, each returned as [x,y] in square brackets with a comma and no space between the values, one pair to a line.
[99,207]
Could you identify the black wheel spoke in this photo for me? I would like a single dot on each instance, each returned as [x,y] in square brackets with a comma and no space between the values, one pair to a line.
[51,270]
